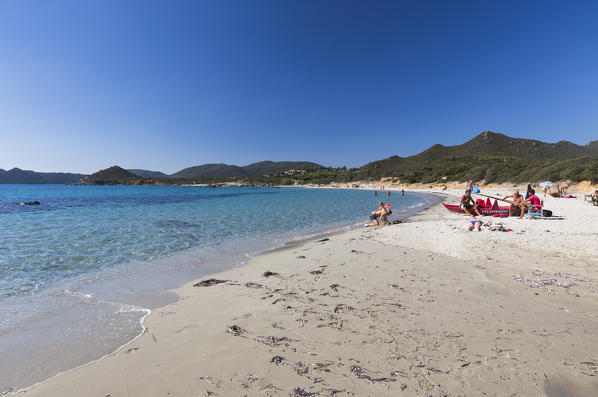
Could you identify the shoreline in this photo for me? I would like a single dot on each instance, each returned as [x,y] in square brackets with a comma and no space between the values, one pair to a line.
[294,242]
[419,259]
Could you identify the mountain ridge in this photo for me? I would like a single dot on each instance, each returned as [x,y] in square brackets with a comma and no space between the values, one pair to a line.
[18,176]
[488,157]
[221,170]
[114,175]
[491,157]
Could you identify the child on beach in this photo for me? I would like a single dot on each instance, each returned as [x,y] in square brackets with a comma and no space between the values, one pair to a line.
[381,213]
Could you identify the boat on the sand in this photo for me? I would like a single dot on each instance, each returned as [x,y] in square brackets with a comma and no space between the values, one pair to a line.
[486,208]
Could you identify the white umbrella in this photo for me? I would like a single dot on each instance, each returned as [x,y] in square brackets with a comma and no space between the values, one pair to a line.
[547,184]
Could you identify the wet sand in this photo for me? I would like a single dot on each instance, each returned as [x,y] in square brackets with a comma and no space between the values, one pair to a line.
[424,308]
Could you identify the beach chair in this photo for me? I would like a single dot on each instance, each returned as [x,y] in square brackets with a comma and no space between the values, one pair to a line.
[535,210]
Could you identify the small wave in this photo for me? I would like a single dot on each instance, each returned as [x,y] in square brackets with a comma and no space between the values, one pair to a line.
[123,309]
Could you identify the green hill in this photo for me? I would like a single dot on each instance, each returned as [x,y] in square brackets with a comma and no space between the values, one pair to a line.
[272,167]
[19,176]
[148,174]
[210,171]
[251,170]
[494,158]
[114,175]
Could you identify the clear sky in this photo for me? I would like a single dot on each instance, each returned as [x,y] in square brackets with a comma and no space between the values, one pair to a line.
[164,85]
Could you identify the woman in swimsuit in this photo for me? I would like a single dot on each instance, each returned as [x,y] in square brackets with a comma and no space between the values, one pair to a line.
[468,205]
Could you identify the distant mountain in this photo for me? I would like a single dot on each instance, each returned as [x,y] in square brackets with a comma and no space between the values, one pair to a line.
[19,176]
[148,174]
[272,167]
[251,170]
[210,171]
[114,175]
[491,157]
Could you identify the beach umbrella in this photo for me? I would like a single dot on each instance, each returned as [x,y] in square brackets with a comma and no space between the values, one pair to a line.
[547,184]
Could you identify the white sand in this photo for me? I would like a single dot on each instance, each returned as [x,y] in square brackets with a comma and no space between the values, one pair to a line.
[421,308]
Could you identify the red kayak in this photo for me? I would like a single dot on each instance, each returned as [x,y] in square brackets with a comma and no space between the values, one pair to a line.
[486,208]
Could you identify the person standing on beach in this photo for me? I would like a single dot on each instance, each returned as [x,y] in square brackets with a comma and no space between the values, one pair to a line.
[528,193]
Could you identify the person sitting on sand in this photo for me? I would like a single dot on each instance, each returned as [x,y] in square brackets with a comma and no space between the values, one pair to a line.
[382,212]
[516,204]
[532,200]
[468,205]
[475,225]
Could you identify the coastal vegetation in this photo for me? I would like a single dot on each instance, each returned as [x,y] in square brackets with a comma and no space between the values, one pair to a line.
[491,158]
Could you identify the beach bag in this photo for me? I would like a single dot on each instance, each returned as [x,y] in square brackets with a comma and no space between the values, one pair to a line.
[546,213]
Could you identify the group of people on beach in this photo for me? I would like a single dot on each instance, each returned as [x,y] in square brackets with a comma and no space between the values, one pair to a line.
[522,205]
[518,206]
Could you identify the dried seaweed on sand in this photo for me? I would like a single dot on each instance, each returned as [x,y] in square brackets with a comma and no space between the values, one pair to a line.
[363,373]
[209,282]
[269,273]
[236,330]
[274,341]
[299,392]
[251,284]
[278,360]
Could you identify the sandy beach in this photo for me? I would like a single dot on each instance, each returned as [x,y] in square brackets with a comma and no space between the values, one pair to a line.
[421,308]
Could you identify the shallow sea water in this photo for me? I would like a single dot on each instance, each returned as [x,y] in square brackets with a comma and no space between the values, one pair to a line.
[83,269]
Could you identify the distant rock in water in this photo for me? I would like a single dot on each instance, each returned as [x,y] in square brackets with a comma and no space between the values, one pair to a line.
[114,175]
[31,203]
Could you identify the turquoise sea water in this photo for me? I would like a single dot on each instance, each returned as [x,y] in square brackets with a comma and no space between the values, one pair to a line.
[86,265]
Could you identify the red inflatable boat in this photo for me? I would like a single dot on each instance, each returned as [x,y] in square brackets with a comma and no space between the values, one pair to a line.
[486,208]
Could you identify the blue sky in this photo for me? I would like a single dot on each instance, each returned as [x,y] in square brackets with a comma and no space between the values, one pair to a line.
[164,85]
